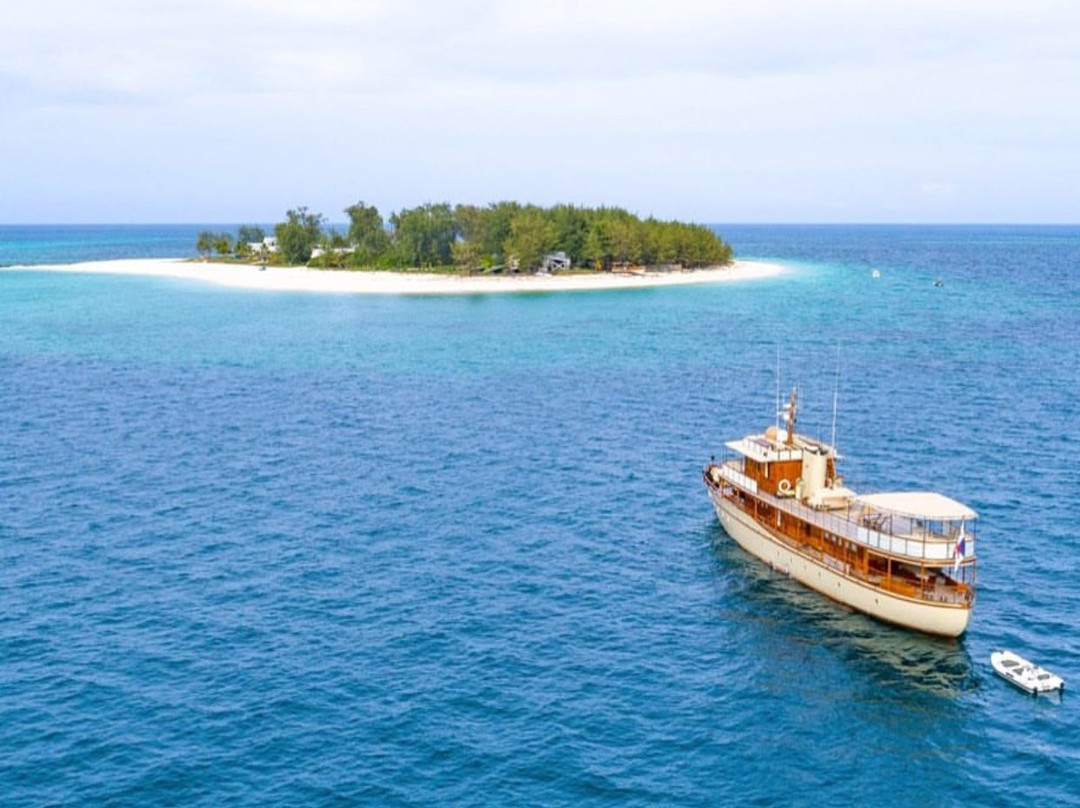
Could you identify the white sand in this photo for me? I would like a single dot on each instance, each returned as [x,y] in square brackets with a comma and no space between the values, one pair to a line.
[298,279]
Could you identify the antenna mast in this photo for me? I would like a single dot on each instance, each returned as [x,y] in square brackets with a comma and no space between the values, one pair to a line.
[777,387]
[836,399]
[792,409]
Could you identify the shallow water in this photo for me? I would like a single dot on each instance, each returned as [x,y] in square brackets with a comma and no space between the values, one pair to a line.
[265,548]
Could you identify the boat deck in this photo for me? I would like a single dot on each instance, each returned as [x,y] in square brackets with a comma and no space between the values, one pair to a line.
[857,524]
[926,584]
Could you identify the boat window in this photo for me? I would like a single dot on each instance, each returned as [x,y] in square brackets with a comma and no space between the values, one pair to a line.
[1009,663]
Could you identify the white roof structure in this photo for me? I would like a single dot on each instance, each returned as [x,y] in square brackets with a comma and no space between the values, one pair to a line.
[759,448]
[918,505]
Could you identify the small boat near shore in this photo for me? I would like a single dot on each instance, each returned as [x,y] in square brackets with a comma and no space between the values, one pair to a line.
[1025,675]
[907,558]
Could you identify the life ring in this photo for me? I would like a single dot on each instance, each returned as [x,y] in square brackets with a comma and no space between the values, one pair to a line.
[784,487]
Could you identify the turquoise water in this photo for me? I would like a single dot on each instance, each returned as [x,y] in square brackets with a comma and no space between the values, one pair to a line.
[67,244]
[284,549]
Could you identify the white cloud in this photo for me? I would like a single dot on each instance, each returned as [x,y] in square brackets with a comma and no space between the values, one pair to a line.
[700,109]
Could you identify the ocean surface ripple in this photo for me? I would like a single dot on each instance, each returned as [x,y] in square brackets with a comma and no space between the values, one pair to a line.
[284,549]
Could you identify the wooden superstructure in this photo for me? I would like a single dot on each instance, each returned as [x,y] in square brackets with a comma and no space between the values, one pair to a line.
[906,558]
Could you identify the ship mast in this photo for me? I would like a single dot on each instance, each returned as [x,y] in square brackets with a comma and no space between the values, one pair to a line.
[790,410]
[778,413]
[836,399]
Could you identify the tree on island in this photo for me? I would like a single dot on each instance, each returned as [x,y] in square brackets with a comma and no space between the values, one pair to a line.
[367,233]
[204,245]
[571,229]
[223,244]
[298,235]
[424,236]
[208,242]
[531,237]
[503,235]
[250,234]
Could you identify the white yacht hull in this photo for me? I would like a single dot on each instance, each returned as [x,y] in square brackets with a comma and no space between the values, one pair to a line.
[941,619]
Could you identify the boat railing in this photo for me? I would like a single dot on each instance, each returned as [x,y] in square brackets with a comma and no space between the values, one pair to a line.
[934,591]
[936,588]
[860,526]
[770,450]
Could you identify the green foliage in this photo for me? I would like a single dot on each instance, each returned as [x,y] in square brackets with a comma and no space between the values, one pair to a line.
[468,255]
[571,229]
[472,251]
[205,243]
[424,236]
[532,236]
[468,237]
[366,227]
[223,244]
[298,235]
[250,234]
[598,243]
[208,242]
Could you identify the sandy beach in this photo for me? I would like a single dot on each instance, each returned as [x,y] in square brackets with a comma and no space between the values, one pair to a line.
[300,279]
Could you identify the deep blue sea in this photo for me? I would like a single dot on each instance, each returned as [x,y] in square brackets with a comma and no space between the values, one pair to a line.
[276,549]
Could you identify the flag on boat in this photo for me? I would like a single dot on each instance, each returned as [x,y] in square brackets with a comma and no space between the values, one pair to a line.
[959,551]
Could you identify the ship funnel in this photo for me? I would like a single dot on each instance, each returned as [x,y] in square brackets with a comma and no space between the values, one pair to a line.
[814,466]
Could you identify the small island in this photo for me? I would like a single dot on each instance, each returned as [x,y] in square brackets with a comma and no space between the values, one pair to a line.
[501,238]
[437,249]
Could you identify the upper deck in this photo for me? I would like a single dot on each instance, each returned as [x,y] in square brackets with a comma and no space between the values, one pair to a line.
[773,447]
[759,448]
[797,475]
[920,527]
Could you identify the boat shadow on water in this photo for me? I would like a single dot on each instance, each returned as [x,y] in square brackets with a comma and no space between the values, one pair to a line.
[888,656]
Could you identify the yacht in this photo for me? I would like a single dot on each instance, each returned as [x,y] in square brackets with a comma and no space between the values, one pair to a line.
[907,558]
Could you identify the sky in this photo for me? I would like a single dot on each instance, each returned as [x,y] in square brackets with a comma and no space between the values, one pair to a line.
[923,111]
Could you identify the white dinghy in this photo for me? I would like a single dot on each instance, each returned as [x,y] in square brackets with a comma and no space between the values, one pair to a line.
[1027,676]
